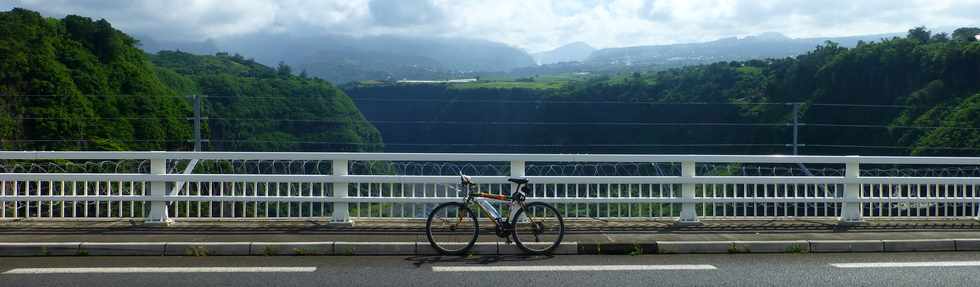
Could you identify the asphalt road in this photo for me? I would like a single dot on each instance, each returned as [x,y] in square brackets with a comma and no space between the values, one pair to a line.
[874,269]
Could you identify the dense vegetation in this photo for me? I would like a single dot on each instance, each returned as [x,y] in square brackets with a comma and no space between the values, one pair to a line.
[254,107]
[71,83]
[74,83]
[917,94]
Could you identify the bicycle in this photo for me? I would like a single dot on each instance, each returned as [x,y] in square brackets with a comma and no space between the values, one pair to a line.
[453,228]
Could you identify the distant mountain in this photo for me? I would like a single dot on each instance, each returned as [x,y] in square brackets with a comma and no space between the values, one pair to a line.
[574,52]
[345,65]
[342,59]
[765,45]
[151,45]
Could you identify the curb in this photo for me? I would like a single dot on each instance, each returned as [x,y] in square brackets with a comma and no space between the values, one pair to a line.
[481,248]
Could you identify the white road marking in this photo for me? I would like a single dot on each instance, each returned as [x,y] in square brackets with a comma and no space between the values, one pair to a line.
[907,264]
[158,270]
[569,268]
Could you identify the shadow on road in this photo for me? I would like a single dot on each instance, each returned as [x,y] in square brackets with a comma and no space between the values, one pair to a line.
[420,261]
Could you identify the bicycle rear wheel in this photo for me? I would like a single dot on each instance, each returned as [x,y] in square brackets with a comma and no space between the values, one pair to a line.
[452,228]
[538,228]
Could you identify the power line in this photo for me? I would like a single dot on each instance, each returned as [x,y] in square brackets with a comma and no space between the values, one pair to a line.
[887,126]
[455,100]
[522,123]
[590,102]
[890,147]
[858,105]
[522,145]
[508,123]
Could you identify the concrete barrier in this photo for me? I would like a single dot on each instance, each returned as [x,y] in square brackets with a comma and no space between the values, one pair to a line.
[480,248]
[919,245]
[669,247]
[794,246]
[618,248]
[292,248]
[374,248]
[967,244]
[123,248]
[826,246]
[208,248]
[40,249]
[565,248]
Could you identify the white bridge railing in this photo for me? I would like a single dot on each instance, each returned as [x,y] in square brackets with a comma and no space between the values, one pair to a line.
[161,187]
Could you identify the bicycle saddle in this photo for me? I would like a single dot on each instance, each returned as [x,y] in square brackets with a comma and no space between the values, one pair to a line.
[518,180]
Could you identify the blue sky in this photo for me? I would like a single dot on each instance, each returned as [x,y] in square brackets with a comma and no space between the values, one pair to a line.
[534,25]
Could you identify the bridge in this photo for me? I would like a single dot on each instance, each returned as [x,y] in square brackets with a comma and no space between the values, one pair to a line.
[849,211]
[164,187]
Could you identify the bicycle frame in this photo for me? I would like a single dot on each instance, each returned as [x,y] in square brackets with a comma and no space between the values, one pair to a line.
[485,200]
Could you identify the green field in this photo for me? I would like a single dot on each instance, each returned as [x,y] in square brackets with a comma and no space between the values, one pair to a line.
[541,82]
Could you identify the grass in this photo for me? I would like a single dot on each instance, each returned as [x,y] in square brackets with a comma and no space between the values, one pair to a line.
[636,251]
[796,248]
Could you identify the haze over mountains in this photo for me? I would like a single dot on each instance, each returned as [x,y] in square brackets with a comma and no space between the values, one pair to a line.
[343,59]
[574,52]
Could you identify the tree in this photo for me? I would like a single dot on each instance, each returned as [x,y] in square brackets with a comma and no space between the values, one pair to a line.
[284,70]
[920,34]
[966,34]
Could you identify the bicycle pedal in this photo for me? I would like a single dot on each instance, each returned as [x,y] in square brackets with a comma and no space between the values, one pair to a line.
[509,242]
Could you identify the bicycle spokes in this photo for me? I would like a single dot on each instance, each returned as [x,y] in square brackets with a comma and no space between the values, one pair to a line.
[541,228]
[452,228]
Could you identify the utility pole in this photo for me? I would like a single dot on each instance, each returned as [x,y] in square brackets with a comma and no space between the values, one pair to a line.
[796,137]
[197,122]
[796,128]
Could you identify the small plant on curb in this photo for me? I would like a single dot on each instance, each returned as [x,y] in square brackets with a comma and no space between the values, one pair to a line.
[196,251]
[471,255]
[299,251]
[734,250]
[637,250]
[45,251]
[82,252]
[269,251]
[796,248]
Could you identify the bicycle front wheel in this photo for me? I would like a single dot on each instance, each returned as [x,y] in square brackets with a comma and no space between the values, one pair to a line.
[452,228]
[538,228]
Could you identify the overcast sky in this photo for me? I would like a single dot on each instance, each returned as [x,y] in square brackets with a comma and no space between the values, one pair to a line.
[533,25]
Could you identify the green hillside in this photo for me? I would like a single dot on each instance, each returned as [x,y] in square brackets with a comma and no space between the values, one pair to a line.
[254,107]
[907,95]
[75,83]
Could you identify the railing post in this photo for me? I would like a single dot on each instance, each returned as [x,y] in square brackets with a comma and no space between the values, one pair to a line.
[341,213]
[158,189]
[689,213]
[851,211]
[517,169]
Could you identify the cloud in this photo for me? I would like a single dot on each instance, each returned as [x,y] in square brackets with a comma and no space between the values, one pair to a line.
[404,12]
[531,24]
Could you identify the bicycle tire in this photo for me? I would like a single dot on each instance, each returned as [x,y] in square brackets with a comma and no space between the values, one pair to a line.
[442,248]
[559,225]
